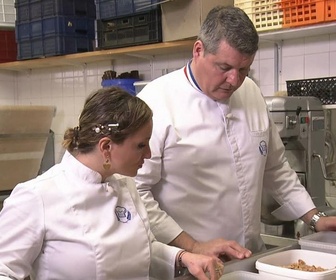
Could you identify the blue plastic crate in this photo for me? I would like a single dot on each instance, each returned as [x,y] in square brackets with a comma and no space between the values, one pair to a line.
[38,9]
[133,30]
[126,84]
[55,25]
[53,45]
[109,9]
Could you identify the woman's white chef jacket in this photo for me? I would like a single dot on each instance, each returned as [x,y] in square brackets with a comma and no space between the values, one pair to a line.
[210,161]
[66,224]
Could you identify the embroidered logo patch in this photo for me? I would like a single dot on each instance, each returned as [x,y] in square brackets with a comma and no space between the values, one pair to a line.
[122,214]
[263,148]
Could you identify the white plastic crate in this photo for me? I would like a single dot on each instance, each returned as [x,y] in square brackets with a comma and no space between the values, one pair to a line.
[324,241]
[7,13]
[242,275]
[265,14]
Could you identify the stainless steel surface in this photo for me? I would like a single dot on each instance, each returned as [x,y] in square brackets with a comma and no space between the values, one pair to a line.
[249,263]
[278,241]
[300,122]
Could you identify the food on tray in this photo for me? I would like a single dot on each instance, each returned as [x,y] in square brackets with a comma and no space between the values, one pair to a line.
[301,265]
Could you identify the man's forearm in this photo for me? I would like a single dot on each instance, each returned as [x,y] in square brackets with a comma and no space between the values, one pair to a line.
[184,241]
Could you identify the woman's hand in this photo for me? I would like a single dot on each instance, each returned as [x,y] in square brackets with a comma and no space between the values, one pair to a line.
[202,267]
[221,248]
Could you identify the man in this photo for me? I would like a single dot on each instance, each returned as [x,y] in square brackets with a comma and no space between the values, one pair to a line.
[214,148]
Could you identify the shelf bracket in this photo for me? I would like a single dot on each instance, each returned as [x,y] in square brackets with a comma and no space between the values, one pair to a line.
[277,64]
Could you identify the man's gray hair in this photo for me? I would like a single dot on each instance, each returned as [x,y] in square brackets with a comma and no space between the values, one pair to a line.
[232,25]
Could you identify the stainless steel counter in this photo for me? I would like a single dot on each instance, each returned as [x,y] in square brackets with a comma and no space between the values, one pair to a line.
[275,245]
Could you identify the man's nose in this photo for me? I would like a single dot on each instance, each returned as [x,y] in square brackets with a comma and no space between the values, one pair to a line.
[233,77]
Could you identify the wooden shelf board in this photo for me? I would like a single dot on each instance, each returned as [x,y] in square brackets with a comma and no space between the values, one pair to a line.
[101,55]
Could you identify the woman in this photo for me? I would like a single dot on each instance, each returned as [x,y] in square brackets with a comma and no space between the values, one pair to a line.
[81,219]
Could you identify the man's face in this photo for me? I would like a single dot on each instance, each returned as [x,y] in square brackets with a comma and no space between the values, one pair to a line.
[220,74]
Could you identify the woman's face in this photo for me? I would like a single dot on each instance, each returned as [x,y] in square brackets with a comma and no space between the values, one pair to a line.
[129,156]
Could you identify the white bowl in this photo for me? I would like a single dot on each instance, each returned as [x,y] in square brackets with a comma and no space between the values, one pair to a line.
[271,266]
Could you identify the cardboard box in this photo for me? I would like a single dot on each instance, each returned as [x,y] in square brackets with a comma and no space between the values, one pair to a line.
[182,19]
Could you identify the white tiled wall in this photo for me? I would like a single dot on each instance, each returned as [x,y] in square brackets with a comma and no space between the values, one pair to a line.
[67,87]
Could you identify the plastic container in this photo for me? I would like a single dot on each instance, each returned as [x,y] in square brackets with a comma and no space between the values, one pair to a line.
[109,9]
[265,14]
[140,85]
[305,12]
[271,266]
[127,31]
[323,88]
[242,275]
[330,10]
[321,241]
[56,25]
[53,45]
[7,13]
[126,84]
[36,9]
[8,48]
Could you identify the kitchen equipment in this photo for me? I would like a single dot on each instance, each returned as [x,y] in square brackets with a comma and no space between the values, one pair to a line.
[300,122]
[24,131]
[271,266]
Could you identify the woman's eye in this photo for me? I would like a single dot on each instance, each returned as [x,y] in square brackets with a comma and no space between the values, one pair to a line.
[141,146]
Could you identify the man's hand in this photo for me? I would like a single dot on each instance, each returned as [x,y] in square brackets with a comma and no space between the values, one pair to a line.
[221,248]
[203,267]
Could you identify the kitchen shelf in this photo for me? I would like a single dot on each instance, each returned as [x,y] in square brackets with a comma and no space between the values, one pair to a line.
[298,32]
[150,50]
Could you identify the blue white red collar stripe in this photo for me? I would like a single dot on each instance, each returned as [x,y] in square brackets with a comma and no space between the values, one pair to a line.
[190,76]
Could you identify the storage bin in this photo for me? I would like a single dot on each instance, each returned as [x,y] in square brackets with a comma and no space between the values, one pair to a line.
[56,25]
[306,12]
[330,10]
[322,88]
[144,28]
[109,9]
[53,45]
[28,10]
[242,275]
[126,84]
[182,19]
[324,241]
[265,14]
[8,49]
[7,13]
[271,266]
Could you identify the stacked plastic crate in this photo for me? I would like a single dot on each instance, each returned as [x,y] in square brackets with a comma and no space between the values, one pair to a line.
[122,23]
[275,14]
[7,33]
[265,14]
[306,12]
[46,28]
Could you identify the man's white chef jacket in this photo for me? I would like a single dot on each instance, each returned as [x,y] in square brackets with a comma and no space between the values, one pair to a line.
[210,161]
[67,225]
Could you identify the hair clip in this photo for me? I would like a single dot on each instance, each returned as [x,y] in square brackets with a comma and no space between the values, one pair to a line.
[100,128]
